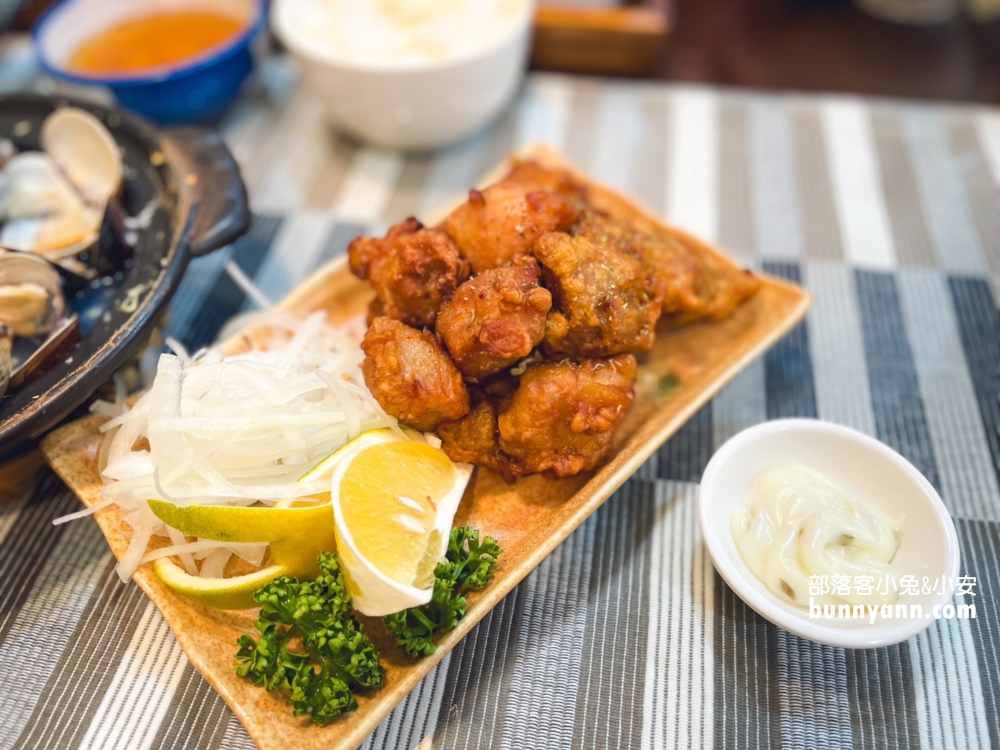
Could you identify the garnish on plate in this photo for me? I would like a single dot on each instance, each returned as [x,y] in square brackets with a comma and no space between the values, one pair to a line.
[221,439]
[310,644]
[468,567]
[394,502]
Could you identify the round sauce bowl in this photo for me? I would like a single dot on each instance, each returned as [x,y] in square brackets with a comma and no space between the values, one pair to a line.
[868,471]
[194,89]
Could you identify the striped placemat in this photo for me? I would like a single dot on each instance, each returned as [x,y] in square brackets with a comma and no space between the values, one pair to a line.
[888,212]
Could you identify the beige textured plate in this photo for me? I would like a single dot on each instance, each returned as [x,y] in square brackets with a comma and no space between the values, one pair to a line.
[683,371]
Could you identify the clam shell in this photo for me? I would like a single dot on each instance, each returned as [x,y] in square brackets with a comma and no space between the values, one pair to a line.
[85,152]
[55,236]
[6,360]
[31,298]
[52,202]
[32,185]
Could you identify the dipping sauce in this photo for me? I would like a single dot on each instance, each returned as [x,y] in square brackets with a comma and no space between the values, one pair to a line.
[795,523]
[152,41]
[401,32]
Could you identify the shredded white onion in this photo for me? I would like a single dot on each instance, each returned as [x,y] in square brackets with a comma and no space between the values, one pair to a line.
[187,550]
[235,430]
[214,563]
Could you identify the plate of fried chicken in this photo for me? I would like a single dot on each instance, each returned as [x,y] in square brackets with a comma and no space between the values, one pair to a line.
[548,330]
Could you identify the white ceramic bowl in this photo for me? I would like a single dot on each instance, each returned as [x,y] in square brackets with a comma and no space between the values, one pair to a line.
[869,471]
[416,105]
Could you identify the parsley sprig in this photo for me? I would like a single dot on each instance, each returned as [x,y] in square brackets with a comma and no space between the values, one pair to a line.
[468,566]
[332,657]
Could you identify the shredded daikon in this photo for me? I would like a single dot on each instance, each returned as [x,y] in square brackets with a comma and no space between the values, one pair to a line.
[235,430]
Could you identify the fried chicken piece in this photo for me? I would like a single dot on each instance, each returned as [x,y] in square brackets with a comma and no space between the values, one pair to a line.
[496,318]
[605,300]
[695,286]
[413,269]
[411,376]
[692,284]
[504,220]
[532,174]
[475,439]
[563,416]
[375,310]
[617,233]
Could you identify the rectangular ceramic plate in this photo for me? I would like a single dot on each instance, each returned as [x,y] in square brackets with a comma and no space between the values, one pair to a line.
[684,370]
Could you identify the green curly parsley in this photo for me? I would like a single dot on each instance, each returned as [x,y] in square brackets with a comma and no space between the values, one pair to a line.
[468,567]
[331,658]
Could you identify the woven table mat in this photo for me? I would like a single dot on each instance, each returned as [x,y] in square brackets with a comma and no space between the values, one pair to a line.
[888,212]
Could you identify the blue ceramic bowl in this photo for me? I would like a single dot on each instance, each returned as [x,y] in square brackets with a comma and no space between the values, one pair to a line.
[193,90]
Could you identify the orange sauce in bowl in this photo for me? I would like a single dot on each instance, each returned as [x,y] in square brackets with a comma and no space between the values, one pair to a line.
[152,41]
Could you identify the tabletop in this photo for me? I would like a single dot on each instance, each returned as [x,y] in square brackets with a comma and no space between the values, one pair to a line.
[888,212]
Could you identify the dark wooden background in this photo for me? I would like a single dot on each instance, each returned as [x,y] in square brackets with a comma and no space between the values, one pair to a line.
[828,45]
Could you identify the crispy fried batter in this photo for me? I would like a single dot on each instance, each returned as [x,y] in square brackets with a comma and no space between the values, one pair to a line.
[413,269]
[532,174]
[504,220]
[563,416]
[375,310]
[605,300]
[496,318]
[693,285]
[411,376]
[475,439]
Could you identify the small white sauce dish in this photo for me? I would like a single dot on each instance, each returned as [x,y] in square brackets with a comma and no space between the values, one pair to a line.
[869,471]
[412,105]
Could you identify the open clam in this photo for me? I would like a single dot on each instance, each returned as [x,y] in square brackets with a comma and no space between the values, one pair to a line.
[34,326]
[53,201]
[31,297]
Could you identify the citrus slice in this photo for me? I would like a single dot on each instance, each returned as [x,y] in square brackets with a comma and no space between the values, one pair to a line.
[216,593]
[394,501]
[296,536]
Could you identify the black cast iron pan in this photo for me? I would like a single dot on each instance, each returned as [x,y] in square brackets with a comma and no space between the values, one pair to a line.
[201,205]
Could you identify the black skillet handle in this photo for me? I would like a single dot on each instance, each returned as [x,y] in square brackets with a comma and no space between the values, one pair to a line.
[211,181]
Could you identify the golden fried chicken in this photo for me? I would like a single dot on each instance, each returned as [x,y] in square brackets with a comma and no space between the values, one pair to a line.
[534,175]
[605,301]
[562,416]
[692,284]
[413,270]
[475,439]
[411,376]
[695,286]
[504,220]
[496,318]
[375,310]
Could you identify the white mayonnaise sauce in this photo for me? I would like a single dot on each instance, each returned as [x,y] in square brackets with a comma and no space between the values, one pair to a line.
[402,32]
[794,523]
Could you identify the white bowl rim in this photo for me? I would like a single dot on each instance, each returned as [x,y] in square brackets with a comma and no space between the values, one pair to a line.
[873,636]
[281,27]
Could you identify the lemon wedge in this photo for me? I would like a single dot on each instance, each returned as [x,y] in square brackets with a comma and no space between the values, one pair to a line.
[394,501]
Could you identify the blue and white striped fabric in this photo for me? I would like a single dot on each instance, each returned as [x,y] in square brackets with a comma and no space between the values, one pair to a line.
[888,212]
